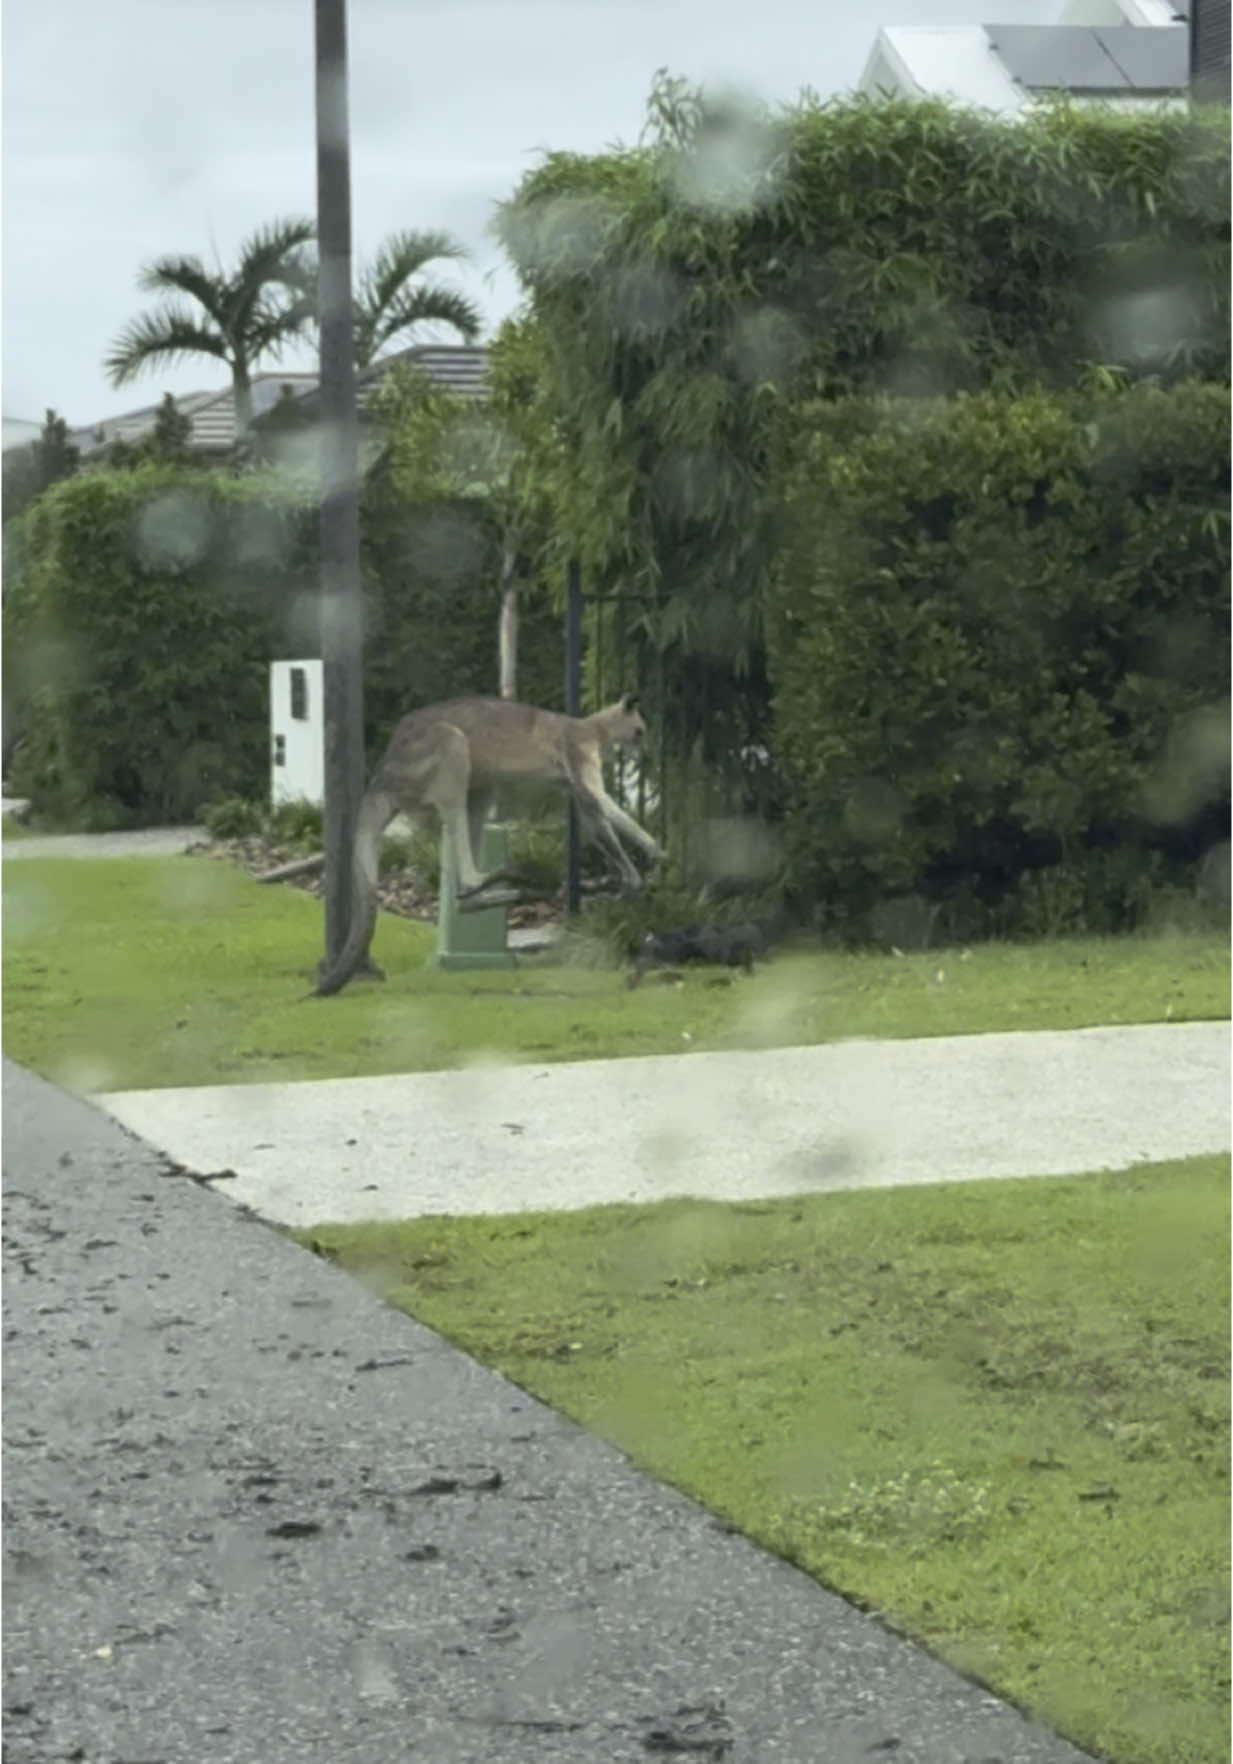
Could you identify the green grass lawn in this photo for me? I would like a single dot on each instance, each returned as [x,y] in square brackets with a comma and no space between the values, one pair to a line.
[128,973]
[996,1413]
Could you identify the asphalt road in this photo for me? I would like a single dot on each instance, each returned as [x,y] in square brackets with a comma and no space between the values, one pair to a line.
[724,1125]
[252,1516]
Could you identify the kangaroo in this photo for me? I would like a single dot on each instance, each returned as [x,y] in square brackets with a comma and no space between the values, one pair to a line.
[451,760]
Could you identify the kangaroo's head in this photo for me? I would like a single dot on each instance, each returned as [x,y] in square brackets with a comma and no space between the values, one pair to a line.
[625,725]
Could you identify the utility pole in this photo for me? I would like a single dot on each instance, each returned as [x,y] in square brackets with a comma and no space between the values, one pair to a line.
[342,637]
[573,708]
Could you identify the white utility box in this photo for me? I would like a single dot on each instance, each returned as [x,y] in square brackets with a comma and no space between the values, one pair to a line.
[297,732]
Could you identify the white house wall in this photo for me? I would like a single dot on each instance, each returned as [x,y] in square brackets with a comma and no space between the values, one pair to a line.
[945,62]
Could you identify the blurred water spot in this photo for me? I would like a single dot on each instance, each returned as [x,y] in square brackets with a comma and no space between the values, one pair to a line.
[258,536]
[904,922]
[837,1164]
[25,915]
[339,619]
[302,623]
[332,110]
[645,300]
[1142,326]
[195,888]
[726,165]
[1194,769]
[873,813]
[563,235]
[766,345]
[737,848]
[767,1009]
[173,530]
[372,1671]
[83,1074]
[665,1149]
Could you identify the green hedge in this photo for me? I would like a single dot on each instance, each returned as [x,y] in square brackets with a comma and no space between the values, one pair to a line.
[690,291]
[138,630]
[1001,657]
[142,609]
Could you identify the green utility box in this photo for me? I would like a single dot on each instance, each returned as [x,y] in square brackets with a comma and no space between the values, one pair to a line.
[473,940]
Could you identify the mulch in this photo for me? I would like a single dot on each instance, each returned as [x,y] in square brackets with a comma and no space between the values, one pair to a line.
[399,891]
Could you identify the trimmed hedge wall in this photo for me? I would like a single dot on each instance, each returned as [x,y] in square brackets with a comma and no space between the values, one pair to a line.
[142,609]
[1001,656]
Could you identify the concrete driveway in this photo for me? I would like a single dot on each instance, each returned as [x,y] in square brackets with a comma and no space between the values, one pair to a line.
[253,1516]
[726,1125]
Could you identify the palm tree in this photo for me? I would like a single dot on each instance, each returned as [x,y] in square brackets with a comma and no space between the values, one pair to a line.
[386,306]
[253,312]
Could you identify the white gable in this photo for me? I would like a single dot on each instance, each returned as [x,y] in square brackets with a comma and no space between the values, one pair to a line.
[913,61]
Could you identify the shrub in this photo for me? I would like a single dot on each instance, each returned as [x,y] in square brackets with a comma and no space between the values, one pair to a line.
[234,817]
[296,823]
[1002,660]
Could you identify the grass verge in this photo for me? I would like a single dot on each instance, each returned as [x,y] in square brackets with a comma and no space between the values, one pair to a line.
[130,973]
[995,1413]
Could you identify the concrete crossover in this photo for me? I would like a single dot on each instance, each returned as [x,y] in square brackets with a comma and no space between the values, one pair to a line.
[726,1125]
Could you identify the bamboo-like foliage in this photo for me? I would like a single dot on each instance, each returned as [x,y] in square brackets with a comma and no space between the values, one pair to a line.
[692,289]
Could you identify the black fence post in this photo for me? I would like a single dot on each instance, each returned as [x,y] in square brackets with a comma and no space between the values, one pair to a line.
[573,706]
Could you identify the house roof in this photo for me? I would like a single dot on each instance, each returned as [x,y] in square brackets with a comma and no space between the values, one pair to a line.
[1079,58]
[20,431]
[1113,50]
[458,368]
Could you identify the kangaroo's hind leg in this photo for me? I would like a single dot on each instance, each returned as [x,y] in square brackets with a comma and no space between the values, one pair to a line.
[445,783]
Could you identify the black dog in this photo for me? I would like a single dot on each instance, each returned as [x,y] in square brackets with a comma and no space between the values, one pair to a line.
[729,946]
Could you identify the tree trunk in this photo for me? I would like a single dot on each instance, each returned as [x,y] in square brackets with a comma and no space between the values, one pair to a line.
[507,634]
[242,388]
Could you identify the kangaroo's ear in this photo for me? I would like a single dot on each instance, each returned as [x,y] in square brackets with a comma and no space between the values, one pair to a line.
[629,702]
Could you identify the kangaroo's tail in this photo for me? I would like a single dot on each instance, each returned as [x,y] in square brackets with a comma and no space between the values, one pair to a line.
[376,812]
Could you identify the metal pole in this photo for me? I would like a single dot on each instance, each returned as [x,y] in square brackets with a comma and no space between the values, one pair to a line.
[573,706]
[342,639]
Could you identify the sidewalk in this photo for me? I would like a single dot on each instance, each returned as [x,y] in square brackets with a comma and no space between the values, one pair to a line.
[253,1515]
[147,842]
[726,1125]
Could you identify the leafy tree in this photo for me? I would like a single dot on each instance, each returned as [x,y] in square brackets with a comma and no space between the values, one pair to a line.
[500,458]
[172,432]
[237,319]
[28,471]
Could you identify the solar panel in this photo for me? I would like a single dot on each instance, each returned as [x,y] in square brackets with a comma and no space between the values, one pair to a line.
[1155,58]
[1057,57]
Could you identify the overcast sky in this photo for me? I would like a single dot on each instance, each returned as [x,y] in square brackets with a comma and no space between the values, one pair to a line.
[140,127]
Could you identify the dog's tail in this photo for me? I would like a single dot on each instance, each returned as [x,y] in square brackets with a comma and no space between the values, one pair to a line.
[377,810]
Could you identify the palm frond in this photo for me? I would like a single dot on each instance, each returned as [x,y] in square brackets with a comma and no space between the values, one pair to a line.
[185,275]
[272,328]
[429,304]
[273,254]
[266,250]
[159,339]
[400,257]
